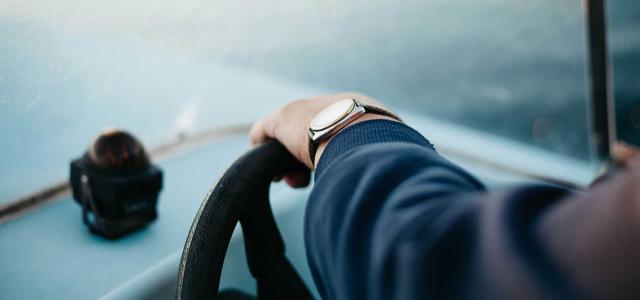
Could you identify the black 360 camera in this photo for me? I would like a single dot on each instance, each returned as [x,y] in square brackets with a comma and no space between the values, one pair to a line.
[116,185]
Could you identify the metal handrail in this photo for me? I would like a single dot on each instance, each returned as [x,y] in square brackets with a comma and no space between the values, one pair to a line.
[15,208]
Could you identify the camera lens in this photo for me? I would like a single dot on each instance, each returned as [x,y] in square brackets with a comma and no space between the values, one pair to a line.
[117,151]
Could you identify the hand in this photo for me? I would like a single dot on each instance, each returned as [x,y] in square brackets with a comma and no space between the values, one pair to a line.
[625,154]
[289,126]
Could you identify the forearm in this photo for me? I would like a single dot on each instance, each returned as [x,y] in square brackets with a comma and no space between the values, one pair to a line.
[389,218]
[374,183]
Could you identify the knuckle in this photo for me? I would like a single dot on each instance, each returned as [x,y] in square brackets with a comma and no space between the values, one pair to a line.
[349,94]
[298,102]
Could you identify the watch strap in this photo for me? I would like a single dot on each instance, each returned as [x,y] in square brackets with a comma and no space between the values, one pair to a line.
[313,148]
[370,109]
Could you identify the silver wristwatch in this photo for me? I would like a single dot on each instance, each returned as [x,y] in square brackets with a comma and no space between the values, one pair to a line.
[336,116]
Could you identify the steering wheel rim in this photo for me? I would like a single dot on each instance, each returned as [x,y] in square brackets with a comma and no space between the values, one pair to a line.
[241,195]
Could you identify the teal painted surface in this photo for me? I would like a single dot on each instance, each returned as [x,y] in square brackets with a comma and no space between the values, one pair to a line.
[50,254]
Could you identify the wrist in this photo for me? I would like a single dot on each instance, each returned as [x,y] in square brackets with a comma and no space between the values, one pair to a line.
[367,117]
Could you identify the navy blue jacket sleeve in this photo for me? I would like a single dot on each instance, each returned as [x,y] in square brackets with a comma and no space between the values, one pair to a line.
[389,218]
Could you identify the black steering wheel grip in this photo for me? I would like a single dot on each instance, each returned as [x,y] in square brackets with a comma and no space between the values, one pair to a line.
[241,195]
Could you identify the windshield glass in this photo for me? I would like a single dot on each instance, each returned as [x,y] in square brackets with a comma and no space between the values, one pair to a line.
[624,40]
[68,69]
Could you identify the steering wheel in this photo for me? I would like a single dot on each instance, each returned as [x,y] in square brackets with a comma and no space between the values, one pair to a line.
[241,195]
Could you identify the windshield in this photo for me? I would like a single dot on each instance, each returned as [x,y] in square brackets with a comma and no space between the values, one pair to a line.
[68,69]
[624,23]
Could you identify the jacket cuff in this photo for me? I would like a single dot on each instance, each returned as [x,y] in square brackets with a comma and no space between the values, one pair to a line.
[368,132]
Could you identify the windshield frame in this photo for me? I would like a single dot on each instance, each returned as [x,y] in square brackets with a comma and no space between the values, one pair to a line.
[601,92]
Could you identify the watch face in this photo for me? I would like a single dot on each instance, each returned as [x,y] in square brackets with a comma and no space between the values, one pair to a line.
[332,114]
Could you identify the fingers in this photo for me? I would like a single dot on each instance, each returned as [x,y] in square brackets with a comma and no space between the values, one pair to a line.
[624,153]
[298,179]
[263,129]
[256,134]
[298,175]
